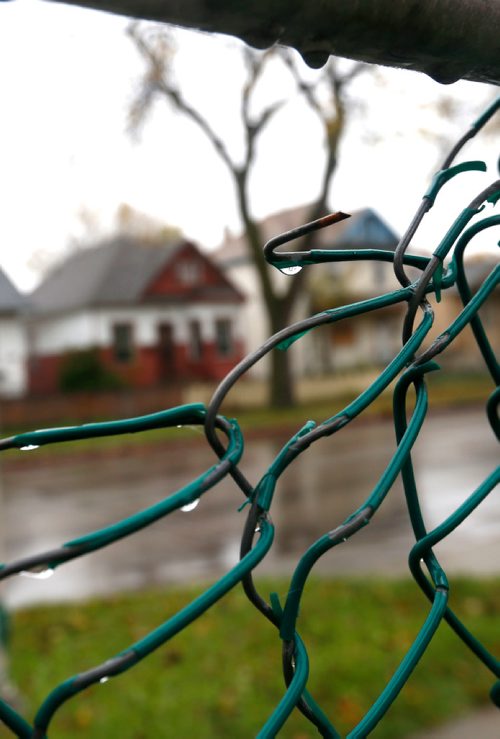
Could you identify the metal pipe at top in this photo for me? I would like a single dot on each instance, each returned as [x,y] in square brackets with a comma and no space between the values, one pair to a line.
[446,39]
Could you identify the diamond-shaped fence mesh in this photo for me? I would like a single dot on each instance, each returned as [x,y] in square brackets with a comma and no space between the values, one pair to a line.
[408,368]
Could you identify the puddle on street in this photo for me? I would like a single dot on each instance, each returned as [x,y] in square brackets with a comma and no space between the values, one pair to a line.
[46,506]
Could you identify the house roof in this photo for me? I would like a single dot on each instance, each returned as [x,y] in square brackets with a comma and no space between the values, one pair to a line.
[115,272]
[365,229]
[11,300]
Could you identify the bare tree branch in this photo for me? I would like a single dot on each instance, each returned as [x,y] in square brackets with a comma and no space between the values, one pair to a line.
[324,95]
[332,115]
[255,62]
[157,80]
[353,72]
[306,88]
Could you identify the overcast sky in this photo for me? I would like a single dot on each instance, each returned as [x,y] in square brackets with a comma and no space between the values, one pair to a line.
[68,77]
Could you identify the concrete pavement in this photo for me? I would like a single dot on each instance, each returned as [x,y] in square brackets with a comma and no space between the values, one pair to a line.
[482,724]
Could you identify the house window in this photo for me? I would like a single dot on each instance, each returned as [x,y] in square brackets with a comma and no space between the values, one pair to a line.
[224,336]
[189,271]
[195,342]
[123,345]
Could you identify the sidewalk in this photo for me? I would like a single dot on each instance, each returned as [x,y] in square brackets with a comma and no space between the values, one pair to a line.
[483,724]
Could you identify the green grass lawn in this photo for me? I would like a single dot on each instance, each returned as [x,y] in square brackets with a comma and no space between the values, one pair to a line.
[222,676]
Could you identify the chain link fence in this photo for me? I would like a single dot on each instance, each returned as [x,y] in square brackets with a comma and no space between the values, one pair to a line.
[408,368]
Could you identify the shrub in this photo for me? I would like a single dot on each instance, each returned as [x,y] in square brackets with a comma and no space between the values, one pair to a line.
[84,370]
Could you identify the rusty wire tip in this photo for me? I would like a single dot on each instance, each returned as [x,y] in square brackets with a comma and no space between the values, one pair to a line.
[296,233]
[334,218]
[327,220]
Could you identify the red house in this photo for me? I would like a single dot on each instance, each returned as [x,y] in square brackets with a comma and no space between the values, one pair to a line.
[153,312]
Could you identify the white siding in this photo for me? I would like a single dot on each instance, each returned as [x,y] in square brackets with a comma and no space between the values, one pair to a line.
[88,328]
[13,356]
[73,331]
[254,316]
[145,321]
[308,356]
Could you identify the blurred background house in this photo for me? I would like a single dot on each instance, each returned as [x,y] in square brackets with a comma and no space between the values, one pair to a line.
[142,312]
[463,353]
[139,312]
[13,339]
[371,339]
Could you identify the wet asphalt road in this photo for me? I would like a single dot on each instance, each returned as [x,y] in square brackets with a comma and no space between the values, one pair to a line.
[47,505]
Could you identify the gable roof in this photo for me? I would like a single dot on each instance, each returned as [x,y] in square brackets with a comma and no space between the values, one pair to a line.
[365,229]
[115,272]
[11,300]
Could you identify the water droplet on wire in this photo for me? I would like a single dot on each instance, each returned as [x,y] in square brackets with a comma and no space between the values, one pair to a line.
[190,506]
[42,574]
[29,447]
[293,270]
[104,679]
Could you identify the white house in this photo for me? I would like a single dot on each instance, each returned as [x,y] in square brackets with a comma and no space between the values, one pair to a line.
[153,312]
[367,340]
[13,340]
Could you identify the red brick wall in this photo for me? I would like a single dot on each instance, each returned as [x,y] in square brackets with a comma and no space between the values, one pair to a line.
[143,370]
[218,366]
[43,374]
[210,366]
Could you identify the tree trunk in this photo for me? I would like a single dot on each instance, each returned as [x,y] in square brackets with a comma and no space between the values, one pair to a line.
[278,307]
[281,385]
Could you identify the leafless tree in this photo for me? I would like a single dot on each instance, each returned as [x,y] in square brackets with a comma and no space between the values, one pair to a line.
[332,109]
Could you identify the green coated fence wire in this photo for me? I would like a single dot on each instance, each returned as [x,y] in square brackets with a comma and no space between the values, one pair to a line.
[408,369]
